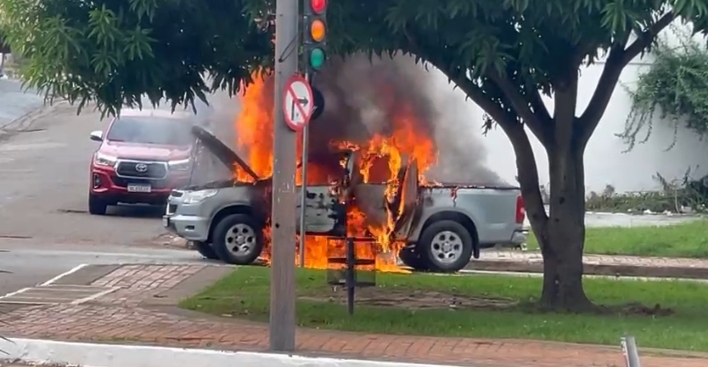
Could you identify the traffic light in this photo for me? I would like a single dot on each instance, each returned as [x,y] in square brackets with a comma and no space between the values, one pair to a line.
[315,34]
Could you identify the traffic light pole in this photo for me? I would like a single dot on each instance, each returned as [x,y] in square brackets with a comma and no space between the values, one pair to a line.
[303,192]
[313,36]
[282,269]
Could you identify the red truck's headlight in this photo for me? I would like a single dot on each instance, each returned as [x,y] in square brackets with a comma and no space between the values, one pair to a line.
[101,159]
[180,164]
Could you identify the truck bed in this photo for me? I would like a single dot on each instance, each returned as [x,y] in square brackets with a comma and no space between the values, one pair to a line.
[493,210]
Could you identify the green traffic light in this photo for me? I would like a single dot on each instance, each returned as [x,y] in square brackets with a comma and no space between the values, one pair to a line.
[317,58]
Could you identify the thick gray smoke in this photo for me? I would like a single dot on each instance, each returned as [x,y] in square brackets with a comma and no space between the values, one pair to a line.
[361,99]
[363,96]
[218,117]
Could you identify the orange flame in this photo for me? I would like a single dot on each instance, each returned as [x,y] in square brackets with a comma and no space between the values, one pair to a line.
[382,157]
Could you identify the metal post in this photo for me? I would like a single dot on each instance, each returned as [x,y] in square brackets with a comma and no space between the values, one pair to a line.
[282,270]
[629,349]
[303,193]
[350,274]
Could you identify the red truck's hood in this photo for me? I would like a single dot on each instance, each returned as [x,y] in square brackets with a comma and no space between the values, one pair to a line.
[143,151]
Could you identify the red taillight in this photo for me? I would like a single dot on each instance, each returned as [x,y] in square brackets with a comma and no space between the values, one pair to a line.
[520,213]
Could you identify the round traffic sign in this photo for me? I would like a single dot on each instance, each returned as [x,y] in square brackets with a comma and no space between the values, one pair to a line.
[298,102]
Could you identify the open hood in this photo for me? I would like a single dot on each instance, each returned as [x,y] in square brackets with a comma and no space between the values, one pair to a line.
[225,154]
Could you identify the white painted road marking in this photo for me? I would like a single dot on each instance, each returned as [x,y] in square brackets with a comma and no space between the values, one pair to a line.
[15,292]
[71,271]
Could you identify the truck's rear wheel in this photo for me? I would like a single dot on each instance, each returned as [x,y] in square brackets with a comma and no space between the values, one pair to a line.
[446,246]
[413,258]
[205,249]
[237,239]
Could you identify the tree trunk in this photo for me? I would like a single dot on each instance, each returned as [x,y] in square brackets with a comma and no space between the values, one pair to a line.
[563,238]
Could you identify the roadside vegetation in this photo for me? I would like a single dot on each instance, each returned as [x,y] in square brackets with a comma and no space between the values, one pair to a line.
[683,195]
[688,239]
[475,306]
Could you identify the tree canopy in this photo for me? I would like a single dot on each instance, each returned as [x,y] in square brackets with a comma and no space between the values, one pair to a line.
[503,54]
[112,51]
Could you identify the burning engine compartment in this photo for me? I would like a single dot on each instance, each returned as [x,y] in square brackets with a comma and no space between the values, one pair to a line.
[383,113]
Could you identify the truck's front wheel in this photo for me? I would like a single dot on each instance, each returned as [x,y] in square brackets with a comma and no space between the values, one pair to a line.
[446,246]
[96,205]
[237,239]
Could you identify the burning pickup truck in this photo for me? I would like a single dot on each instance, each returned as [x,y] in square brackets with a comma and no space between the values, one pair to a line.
[430,227]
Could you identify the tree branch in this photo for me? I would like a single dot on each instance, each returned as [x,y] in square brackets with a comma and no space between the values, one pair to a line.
[589,120]
[527,174]
[645,38]
[538,121]
[537,104]
[482,100]
[618,58]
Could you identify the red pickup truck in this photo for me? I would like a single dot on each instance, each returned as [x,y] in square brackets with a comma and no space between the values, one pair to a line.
[143,156]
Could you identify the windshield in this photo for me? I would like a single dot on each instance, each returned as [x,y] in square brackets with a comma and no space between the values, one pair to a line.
[151,130]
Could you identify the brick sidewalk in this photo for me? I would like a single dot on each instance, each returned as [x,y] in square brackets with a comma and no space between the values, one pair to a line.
[133,313]
[590,259]
[663,267]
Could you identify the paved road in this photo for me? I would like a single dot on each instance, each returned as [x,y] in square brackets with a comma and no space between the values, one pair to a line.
[44,227]
[14,103]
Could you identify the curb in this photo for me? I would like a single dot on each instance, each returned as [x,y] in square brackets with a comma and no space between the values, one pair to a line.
[669,272]
[24,122]
[43,352]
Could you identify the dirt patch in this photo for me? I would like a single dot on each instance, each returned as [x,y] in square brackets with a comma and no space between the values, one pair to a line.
[429,299]
[414,299]
[172,240]
[637,309]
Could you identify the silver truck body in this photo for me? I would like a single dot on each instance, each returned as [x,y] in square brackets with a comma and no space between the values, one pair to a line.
[463,219]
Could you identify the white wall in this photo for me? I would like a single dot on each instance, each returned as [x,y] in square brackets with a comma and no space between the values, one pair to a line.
[604,161]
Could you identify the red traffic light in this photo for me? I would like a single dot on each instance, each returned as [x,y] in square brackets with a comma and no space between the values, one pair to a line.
[318,6]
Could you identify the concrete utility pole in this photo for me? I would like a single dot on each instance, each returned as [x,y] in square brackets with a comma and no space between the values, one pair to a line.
[282,273]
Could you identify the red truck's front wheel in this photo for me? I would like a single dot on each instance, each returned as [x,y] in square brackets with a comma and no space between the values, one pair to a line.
[96,205]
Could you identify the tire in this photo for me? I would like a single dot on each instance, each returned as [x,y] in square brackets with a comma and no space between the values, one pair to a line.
[451,234]
[413,258]
[96,206]
[205,250]
[253,239]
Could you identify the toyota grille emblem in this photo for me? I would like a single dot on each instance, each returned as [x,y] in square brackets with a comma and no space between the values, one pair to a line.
[141,167]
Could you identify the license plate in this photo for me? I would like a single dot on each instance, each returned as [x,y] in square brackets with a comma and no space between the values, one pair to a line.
[165,221]
[139,188]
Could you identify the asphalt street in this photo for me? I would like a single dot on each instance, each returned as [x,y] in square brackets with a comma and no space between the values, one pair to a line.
[14,102]
[45,229]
